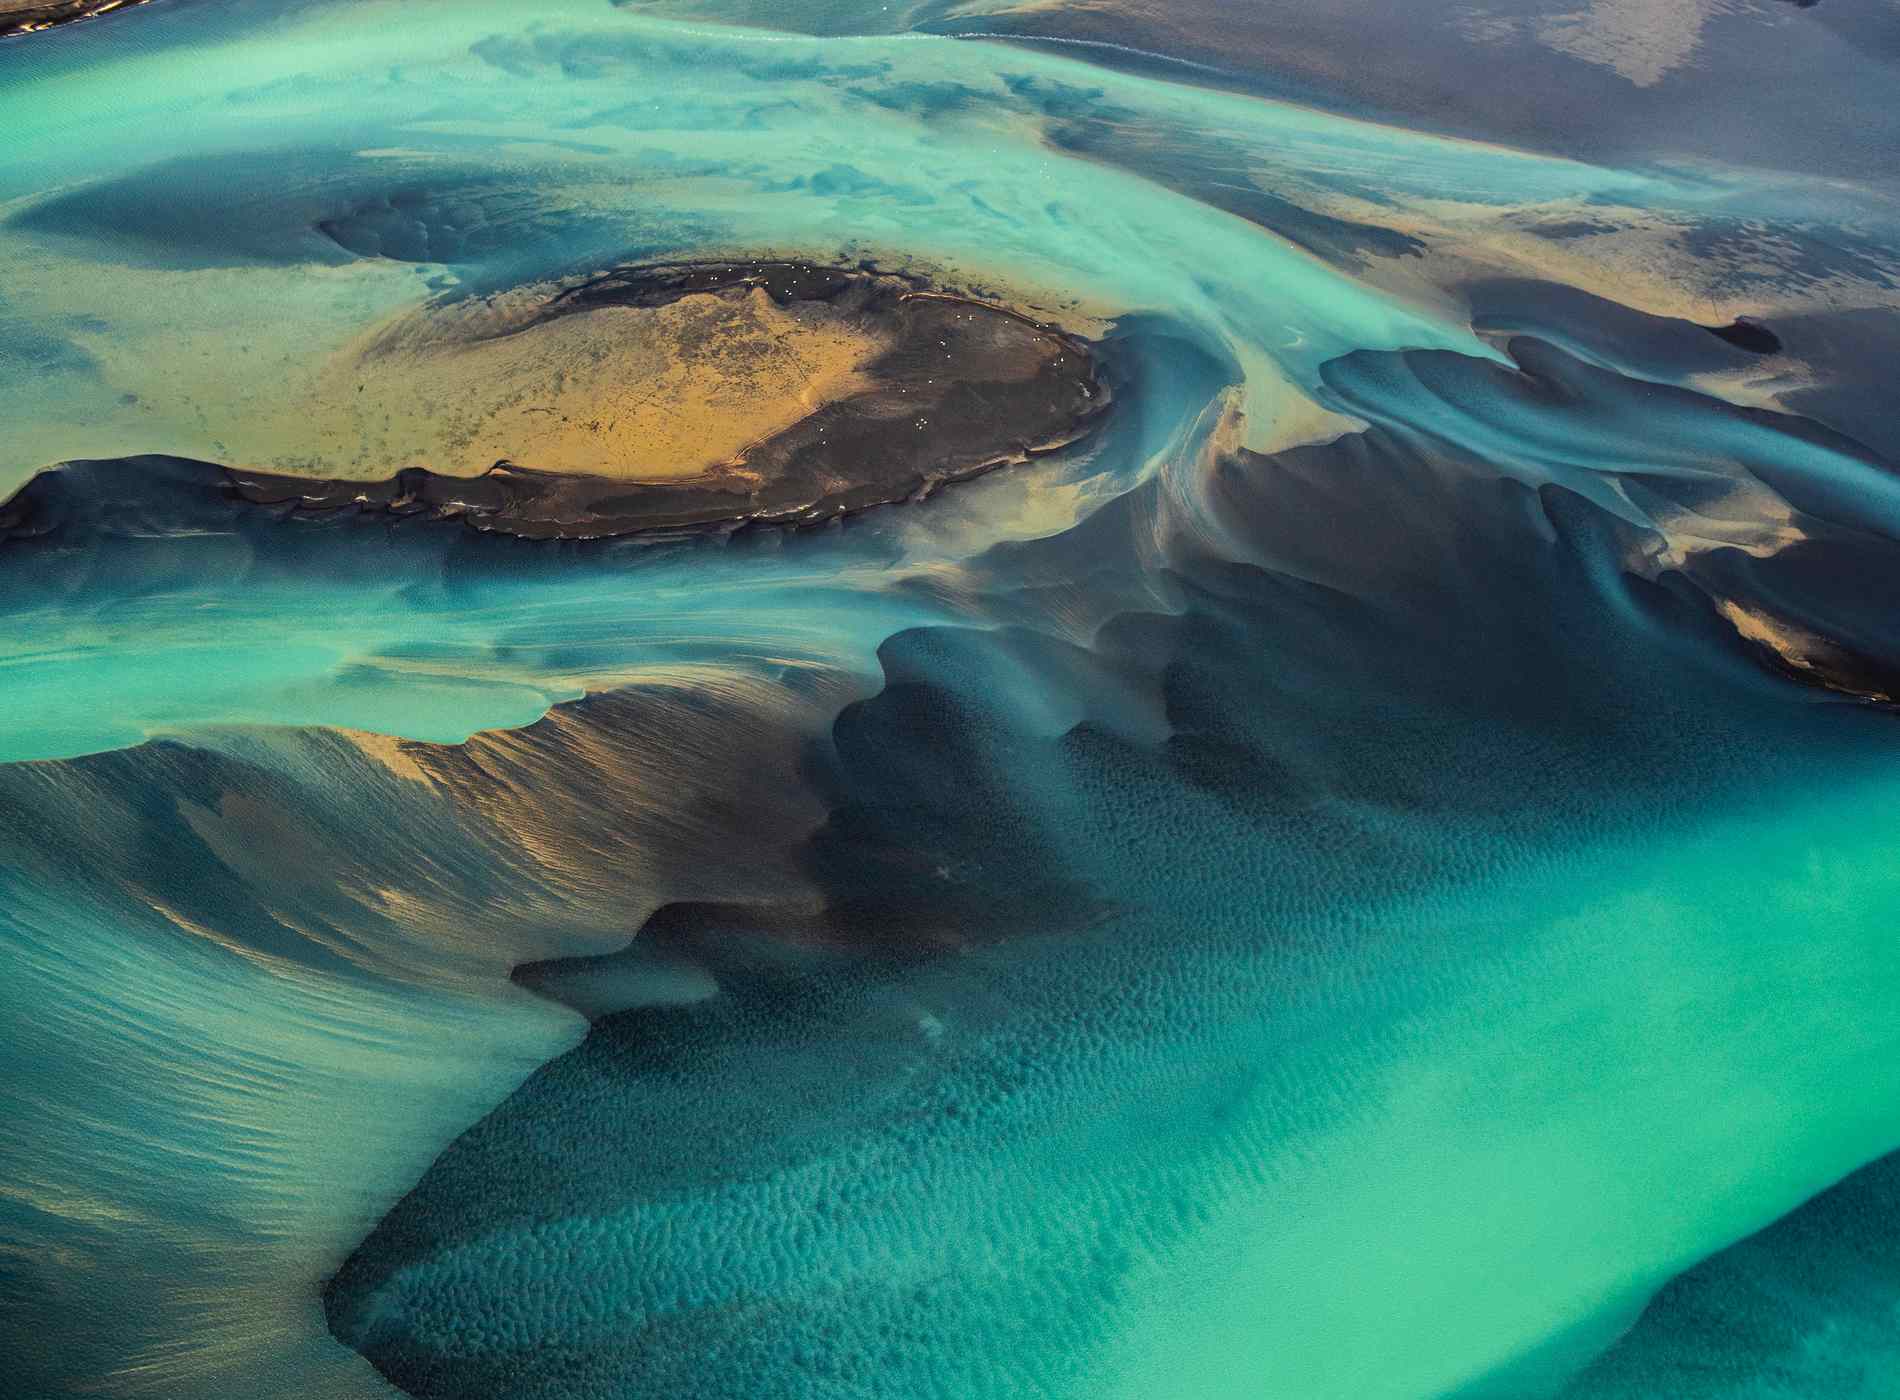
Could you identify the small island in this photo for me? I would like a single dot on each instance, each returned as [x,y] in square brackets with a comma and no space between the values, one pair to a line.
[679,397]
[697,395]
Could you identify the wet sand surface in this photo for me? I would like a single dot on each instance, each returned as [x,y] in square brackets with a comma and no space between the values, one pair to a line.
[32,16]
[684,396]
[1343,883]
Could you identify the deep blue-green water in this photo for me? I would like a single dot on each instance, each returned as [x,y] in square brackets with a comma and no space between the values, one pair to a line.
[1349,881]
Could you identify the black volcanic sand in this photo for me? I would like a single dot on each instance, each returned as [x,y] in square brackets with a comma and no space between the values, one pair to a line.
[1748,335]
[1804,1308]
[30,16]
[681,1205]
[1493,71]
[965,387]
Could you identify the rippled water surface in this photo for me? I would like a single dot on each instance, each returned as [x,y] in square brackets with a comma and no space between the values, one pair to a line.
[1370,868]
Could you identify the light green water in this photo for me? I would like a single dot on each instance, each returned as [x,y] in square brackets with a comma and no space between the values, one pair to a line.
[1490,1101]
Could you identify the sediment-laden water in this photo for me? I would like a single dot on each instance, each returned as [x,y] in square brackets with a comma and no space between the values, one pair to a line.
[1343,847]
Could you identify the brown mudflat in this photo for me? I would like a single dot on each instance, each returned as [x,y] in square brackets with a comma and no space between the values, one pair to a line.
[691,396]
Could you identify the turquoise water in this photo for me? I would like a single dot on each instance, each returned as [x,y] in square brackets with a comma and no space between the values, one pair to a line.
[1804,1307]
[1343,883]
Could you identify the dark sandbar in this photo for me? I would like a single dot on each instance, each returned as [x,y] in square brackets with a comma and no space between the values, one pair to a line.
[32,16]
[1748,335]
[962,387]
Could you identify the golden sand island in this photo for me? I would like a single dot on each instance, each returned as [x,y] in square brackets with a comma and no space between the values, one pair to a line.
[679,396]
